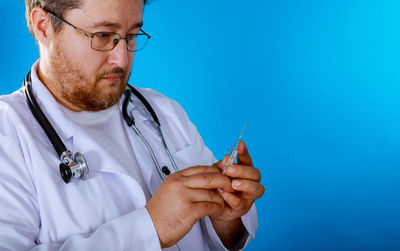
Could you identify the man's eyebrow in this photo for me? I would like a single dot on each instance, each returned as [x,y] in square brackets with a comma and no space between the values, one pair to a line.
[115,25]
[137,25]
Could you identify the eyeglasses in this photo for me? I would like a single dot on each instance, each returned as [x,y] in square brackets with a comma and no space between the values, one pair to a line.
[106,41]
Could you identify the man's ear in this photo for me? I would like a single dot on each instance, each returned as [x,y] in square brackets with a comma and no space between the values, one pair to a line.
[41,25]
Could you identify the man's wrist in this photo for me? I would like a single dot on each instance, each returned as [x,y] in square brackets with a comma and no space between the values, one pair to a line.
[231,233]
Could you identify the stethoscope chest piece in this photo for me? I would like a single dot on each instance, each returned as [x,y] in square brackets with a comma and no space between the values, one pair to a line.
[76,168]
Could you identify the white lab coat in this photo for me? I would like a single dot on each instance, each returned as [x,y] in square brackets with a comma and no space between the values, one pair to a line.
[106,212]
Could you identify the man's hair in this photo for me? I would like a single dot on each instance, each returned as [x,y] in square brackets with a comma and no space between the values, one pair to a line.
[59,7]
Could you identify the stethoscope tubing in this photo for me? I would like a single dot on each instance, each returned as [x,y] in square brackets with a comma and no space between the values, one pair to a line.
[41,118]
[131,122]
[66,156]
[168,151]
[153,156]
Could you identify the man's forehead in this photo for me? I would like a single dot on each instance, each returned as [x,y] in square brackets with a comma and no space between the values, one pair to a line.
[112,4]
[115,26]
[114,14]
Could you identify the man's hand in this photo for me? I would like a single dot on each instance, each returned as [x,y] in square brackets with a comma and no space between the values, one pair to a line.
[184,198]
[246,183]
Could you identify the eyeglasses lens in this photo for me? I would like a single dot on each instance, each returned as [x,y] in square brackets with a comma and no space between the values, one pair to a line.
[105,41]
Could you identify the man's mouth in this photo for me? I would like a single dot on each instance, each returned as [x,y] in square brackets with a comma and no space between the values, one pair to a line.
[113,78]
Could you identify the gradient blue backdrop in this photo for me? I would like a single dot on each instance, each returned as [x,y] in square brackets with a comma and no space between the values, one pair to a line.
[318,82]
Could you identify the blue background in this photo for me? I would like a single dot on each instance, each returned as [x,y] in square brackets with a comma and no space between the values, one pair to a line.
[318,82]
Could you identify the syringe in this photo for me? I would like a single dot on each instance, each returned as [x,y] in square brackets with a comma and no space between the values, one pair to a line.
[234,150]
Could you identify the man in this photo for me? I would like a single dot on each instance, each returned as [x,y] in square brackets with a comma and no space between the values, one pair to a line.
[86,54]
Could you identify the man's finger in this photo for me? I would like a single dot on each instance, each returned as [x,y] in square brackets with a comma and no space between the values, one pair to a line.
[198,195]
[250,189]
[243,172]
[203,209]
[198,170]
[209,181]
[231,199]
[220,164]
[243,156]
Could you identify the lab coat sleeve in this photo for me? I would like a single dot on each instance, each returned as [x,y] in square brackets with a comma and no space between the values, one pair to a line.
[249,221]
[20,215]
[205,157]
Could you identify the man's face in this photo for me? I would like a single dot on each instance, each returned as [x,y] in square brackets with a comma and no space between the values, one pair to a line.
[88,79]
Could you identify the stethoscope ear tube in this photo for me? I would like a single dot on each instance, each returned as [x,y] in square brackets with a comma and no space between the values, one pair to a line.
[146,104]
[168,151]
[163,171]
[129,120]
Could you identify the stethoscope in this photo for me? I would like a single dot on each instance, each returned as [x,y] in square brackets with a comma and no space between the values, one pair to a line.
[75,167]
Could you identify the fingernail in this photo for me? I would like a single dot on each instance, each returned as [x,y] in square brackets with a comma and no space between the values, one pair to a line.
[231,169]
[219,190]
[236,183]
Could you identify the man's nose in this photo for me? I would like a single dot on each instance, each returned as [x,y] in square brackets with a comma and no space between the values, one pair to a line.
[119,56]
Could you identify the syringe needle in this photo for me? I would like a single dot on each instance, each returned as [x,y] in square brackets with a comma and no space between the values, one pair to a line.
[241,134]
[234,150]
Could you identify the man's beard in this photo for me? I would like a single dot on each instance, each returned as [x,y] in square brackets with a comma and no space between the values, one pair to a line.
[78,90]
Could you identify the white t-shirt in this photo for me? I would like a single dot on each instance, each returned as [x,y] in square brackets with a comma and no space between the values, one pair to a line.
[106,127]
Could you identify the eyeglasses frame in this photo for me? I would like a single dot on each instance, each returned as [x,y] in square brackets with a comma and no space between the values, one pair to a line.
[91,35]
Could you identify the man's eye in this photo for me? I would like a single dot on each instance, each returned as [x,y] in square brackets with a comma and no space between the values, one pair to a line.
[131,36]
[104,35]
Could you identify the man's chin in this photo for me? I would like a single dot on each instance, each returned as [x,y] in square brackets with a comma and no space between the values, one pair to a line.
[101,101]
[111,92]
